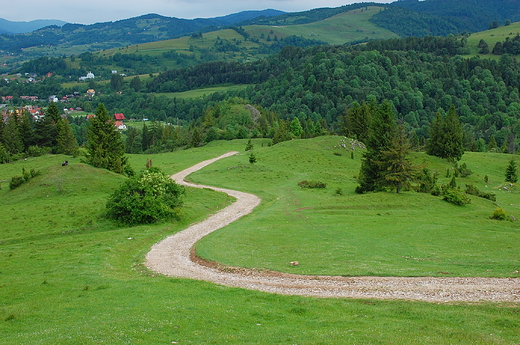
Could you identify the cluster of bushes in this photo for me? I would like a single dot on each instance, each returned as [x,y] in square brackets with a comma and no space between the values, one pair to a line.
[311,184]
[17,181]
[472,190]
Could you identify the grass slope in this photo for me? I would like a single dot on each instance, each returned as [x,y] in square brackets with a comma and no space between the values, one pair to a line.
[343,28]
[491,37]
[410,234]
[68,276]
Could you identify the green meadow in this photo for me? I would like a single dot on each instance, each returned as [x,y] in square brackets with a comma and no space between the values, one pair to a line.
[491,37]
[68,276]
[339,29]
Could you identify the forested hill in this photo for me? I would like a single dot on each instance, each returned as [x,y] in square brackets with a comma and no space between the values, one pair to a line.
[320,83]
[473,15]
[146,28]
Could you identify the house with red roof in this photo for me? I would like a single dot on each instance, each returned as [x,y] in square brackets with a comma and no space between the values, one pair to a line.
[119,117]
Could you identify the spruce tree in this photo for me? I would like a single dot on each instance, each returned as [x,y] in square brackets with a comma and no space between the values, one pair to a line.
[381,132]
[454,135]
[446,136]
[511,173]
[11,135]
[397,167]
[433,147]
[105,149]
[66,141]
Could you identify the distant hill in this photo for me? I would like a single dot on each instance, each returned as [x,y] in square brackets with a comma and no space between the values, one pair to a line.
[147,28]
[472,15]
[9,27]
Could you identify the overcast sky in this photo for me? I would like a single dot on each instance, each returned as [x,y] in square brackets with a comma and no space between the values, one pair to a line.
[93,11]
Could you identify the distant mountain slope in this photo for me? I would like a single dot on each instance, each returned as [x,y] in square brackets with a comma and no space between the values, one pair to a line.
[146,28]
[10,27]
[473,15]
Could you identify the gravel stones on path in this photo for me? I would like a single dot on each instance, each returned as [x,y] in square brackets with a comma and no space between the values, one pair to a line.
[172,257]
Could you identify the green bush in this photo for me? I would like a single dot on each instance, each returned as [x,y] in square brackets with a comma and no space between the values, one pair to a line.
[455,196]
[148,198]
[17,181]
[472,190]
[311,184]
[499,214]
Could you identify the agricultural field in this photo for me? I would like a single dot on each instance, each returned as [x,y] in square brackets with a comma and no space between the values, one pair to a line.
[67,275]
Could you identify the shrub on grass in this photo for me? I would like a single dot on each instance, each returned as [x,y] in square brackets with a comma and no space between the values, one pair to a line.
[311,184]
[17,181]
[148,198]
[499,214]
[455,196]
[472,190]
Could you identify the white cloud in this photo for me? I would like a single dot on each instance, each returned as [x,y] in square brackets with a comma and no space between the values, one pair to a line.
[87,12]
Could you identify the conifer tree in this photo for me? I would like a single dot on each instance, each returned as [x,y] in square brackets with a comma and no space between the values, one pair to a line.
[105,149]
[66,141]
[446,136]
[436,136]
[397,167]
[11,136]
[511,173]
[381,132]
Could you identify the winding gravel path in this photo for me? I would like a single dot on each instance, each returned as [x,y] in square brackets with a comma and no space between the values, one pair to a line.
[173,257]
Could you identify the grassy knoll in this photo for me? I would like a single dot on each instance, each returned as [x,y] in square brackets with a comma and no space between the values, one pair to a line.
[67,276]
[410,234]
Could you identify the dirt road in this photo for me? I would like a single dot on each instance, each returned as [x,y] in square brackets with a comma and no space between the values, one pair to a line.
[172,257]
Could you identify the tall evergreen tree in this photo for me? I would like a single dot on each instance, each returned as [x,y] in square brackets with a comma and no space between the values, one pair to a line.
[397,167]
[105,148]
[45,130]
[357,120]
[436,136]
[446,136]
[454,135]
[11,135]
[66,141]
[381,132]
[511,173]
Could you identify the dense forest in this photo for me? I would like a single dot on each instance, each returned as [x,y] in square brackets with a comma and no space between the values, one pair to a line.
[313,89]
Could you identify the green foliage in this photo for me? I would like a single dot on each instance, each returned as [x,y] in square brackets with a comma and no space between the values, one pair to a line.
[105,148]
[17,181]
[311,184]
[446,136]
[375,163]
[249,145]
[511,172]
[66,142]
[148,198]
[472,190]
[499,214]
[455,196]
[427,181]
[252,158]
[296,128]
[397,167]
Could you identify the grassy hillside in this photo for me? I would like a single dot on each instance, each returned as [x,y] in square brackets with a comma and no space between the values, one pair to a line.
[411,234]
[68,276]
[229,44]
[492,37]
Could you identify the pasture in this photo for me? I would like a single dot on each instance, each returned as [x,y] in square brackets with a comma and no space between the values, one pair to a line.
[67,275]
